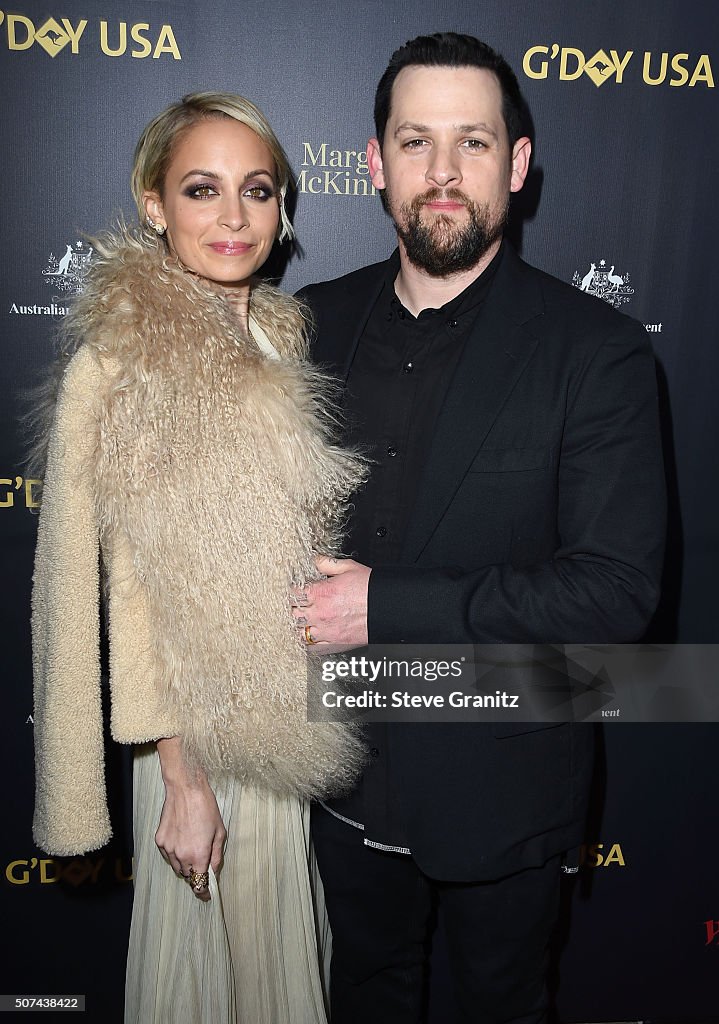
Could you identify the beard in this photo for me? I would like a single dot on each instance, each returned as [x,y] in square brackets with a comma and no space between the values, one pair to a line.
[443,247]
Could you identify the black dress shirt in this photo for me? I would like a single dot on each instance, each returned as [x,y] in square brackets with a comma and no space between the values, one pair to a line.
[396,386]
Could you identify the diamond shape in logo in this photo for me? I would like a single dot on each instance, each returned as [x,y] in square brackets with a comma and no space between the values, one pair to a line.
[600,68]
[52,37]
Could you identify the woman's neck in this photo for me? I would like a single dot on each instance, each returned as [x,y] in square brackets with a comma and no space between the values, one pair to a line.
[239,299]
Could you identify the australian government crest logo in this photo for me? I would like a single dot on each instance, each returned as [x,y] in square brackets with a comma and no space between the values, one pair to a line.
[604,283]
[66,272]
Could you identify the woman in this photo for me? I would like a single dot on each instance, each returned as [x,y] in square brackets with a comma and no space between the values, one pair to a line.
[189,439]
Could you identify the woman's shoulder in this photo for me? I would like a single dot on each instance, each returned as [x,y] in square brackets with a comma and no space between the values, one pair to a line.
[87,370]
[65,401]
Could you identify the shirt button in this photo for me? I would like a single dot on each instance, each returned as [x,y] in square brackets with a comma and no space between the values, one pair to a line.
[451,323]
[374,752]
[408,367]
[391,451]
[381,531]
[401,314]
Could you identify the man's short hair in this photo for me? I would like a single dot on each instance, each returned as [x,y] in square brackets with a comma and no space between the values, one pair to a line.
[450,50]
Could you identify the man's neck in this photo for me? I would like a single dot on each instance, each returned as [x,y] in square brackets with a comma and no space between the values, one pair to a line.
[418,290]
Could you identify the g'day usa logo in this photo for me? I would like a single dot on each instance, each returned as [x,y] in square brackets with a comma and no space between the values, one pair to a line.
[113,38]
[569,63]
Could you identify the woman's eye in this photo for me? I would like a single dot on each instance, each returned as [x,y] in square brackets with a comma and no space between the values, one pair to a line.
[201,191]
[259,192]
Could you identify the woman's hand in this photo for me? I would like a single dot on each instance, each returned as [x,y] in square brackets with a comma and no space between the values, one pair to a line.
[191,834]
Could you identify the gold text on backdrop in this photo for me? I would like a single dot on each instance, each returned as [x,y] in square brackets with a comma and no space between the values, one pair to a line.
[594,855]
[334,172]
[27,488]
[568,63]
[110,37]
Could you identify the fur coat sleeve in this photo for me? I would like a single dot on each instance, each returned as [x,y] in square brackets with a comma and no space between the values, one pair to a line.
[71,813]
[70,804]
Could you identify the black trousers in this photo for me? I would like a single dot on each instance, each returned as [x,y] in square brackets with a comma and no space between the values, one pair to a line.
[380,905]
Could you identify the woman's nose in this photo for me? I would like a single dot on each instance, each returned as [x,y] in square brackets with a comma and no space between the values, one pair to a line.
[233,214]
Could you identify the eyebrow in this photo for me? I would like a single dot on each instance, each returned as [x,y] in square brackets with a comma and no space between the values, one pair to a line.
[217,177]
[479,126]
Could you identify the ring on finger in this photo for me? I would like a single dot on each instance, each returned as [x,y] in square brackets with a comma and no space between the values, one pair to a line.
[309,639]
[199,880]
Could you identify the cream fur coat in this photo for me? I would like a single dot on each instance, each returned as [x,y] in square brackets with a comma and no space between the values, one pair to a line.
[197,477]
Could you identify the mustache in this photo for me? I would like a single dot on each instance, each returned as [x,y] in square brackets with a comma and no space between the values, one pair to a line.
[435,194]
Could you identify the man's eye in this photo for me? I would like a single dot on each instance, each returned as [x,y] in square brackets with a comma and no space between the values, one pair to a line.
[474,144]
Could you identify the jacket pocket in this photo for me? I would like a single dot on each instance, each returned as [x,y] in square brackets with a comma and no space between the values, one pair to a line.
[509,460]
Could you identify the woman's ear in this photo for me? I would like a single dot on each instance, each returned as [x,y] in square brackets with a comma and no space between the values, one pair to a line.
[154,210]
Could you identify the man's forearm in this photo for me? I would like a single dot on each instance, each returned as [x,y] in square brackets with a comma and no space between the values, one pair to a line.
[564,601]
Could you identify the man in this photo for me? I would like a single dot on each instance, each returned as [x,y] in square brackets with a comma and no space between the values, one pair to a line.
[516,497]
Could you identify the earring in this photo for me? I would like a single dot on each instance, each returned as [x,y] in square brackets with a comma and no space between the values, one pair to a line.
[159,228]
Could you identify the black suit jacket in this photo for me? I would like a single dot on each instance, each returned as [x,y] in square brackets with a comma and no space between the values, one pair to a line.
[539,519]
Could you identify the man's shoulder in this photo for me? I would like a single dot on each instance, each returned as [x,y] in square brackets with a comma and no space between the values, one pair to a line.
[356,282]
[565,301]
[519,274]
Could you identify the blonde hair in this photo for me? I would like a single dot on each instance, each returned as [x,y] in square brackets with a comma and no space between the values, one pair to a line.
[157,142]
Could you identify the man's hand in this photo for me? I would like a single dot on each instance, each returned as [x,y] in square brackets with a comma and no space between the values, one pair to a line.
[335,609]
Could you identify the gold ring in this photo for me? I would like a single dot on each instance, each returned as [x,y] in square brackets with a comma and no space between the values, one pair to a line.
[309,639]
[199,880]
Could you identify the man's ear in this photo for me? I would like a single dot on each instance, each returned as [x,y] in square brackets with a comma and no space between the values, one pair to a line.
[153,207]
[374,162]
[521,152]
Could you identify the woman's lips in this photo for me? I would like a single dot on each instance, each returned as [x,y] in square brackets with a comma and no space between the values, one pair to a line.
[230,248]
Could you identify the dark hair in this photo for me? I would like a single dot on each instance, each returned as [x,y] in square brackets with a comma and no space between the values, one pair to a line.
[450,50]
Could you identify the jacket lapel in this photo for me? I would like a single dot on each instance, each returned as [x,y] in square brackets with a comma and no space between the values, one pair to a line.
[336,346]
[496,354]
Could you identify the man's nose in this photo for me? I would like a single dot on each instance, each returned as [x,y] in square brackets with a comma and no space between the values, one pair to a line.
[444,168]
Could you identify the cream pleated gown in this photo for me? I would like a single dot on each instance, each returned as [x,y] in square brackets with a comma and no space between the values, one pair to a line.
[252,954]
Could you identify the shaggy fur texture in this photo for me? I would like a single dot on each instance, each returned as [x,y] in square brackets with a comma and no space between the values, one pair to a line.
[209,473]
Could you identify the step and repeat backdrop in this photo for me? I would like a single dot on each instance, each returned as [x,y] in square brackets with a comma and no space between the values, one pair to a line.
[621,201]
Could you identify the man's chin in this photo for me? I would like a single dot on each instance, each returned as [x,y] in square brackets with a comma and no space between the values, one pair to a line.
[442,229]
[444,242]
